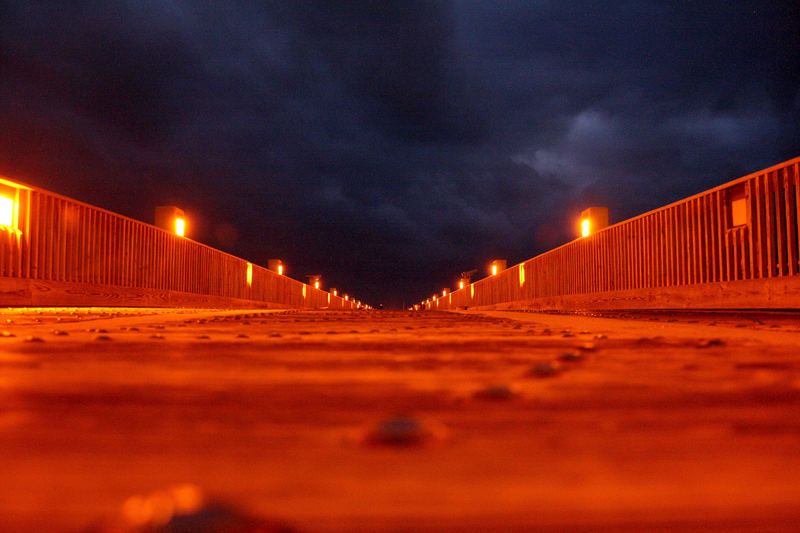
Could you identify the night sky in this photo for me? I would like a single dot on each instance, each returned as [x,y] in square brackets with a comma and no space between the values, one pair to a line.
[391,147]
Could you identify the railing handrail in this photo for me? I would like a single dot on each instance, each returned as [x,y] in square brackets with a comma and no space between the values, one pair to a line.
[682,243]
[26,186]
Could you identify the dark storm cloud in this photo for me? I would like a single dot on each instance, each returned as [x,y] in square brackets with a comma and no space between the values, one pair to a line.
[391,146]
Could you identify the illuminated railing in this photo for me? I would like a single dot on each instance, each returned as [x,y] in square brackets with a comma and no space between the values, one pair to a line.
[57,251]
[734,245]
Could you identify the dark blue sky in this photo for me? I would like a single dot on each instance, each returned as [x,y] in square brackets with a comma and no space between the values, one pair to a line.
[392,147]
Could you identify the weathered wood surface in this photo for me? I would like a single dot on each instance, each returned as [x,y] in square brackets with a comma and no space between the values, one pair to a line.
[38,293]
[665,423]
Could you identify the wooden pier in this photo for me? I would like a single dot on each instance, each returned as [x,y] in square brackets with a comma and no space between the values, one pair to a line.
[392,421]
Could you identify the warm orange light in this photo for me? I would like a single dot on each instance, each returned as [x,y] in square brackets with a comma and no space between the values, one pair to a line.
[316,284]
[6,211]
[346,297]
[249,274]
[494,270]
[334,292]
[593,219]
[444,292]
[460,284]
[521,275]
[280,270]
[180,227]
[739,212]
[304,290]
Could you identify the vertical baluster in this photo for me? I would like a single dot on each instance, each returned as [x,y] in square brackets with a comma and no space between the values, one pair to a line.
[771,231]
[790,206]
[795,172]
[780,222]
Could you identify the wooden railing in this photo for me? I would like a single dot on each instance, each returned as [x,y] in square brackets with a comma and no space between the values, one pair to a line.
[57,251]
[733,246]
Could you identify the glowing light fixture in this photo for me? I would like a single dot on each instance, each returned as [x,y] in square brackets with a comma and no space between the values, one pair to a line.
[521,275]
[9,205]
[497,266]
[6,211]
[249,274]
[172,219]
[276,265]
[466,278]
[593,220]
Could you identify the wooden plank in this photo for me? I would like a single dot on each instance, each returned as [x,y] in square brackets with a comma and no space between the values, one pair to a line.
[714,237]
[26,236]
[671,248]
[770,228]
[682,246]
[59,270]
[795,170]
[47,242]
[661,248]
[759,226]
[780,222]
[751,252]
[675,224]
[83,232]
[725,251]
[646,251]
[707,242]
[702,228]
[618,259]
[638,256]
[697,231]
[790,206]
[691,229]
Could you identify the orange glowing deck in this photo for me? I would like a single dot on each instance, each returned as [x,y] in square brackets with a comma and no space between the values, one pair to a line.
[389,421]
